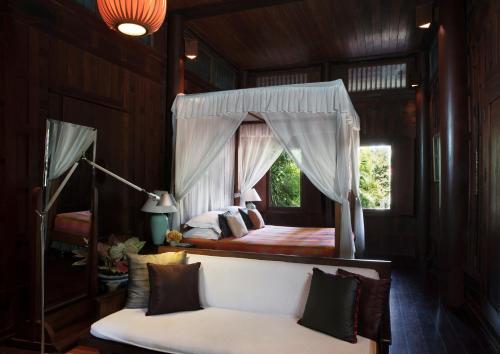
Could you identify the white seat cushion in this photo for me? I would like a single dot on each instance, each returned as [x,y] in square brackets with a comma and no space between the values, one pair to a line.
[222,331]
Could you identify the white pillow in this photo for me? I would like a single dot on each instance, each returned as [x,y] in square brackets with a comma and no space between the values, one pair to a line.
[237,225]
[197,232]
[208,220]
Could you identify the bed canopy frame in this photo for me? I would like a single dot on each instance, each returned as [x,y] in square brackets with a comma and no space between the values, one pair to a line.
[315,123]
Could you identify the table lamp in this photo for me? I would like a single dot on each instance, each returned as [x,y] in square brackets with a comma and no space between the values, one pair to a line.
[251,196]
[159,219]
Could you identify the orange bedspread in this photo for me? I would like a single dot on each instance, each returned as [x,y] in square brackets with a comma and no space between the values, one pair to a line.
[299,241]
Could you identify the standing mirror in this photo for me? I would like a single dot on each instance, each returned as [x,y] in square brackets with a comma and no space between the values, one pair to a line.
[66,210]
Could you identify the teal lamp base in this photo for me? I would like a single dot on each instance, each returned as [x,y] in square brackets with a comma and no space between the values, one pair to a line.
[250,205]
[159,226]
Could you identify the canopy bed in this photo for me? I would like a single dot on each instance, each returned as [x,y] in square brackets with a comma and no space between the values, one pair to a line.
[315,123]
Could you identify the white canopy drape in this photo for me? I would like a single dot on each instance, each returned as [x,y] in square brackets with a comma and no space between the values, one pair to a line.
[215,189]
[198,142]
[316,123]
[257,151]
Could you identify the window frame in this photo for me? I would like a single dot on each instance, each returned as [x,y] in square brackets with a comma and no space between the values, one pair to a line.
[391,210]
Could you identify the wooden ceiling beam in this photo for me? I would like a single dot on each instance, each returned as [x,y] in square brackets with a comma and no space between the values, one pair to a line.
[222,8]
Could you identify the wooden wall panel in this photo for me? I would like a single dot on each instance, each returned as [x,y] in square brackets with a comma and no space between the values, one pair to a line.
[58,65]
[482,264]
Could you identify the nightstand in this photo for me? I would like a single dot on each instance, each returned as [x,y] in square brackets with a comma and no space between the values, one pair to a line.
[111,302]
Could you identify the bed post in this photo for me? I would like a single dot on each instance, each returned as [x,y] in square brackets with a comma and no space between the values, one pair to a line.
[236,166]
[338,227]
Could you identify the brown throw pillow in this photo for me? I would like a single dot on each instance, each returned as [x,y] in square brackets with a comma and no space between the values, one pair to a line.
[246,218]
[138,280]
[372,303]
[173,288]
[256,217]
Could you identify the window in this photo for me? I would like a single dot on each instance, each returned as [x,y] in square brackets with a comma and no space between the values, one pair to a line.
[377,77]
[375,176]
[284,186]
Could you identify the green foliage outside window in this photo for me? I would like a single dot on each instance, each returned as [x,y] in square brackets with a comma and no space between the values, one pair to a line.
[375,176]
[285,183]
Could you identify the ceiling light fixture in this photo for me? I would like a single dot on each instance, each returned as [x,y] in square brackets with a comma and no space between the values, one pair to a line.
[133,17]
[424,15]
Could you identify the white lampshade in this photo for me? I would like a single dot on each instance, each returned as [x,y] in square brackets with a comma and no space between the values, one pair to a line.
[162,206]
[251,196]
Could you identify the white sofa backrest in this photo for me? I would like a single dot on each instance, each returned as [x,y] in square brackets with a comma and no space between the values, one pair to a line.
[259,285]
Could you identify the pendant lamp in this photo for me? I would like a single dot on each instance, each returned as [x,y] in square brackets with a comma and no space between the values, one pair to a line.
[133,17]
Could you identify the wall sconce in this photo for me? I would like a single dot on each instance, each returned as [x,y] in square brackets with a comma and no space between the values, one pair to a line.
[190,48]
[414,79]
[424,15]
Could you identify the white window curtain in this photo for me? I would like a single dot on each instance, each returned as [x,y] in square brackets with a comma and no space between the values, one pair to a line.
[257,151]
[215,188]
[198,142]
[320,144]
[67,142]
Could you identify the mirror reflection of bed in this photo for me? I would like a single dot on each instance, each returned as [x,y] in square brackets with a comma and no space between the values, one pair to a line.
[69,229]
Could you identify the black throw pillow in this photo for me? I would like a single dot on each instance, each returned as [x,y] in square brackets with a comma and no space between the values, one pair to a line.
[246,218]
[224,227]
[173,288]
[331,306]
[372,303]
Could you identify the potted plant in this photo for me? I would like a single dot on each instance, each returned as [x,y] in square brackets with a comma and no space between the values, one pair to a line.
[113,265]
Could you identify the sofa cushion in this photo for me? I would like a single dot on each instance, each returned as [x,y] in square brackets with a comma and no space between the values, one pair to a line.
[173,288]
[259,285]
[372,303]
[216,330]
[332,305]
[138,279]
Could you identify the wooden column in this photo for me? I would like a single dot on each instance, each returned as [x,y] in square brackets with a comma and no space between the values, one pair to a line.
[454,149]
[423,160]
[175,84]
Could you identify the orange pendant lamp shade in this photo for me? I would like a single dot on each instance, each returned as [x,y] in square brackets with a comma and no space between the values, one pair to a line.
[133,17]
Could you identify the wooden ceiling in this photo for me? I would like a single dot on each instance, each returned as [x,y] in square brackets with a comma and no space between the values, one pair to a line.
[257,34]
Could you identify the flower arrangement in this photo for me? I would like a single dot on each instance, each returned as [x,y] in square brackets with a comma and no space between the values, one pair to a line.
[113,253]
[174,236]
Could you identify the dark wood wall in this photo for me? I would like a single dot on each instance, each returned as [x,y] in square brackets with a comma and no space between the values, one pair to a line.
[482,254]
[58,60]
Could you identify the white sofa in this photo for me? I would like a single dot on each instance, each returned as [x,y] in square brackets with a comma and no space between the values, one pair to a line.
[250,307]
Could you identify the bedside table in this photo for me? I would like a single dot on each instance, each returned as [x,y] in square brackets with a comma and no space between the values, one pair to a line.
[111,302]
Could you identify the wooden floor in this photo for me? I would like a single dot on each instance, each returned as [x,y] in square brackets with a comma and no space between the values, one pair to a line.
[421,325]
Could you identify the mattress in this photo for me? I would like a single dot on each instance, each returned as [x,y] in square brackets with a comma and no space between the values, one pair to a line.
[76,223]
[217,330]
[298,241]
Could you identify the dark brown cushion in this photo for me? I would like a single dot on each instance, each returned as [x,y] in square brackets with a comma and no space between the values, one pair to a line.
[331,306]
[173,288]
[246,218]
[224,227]
[372,303]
